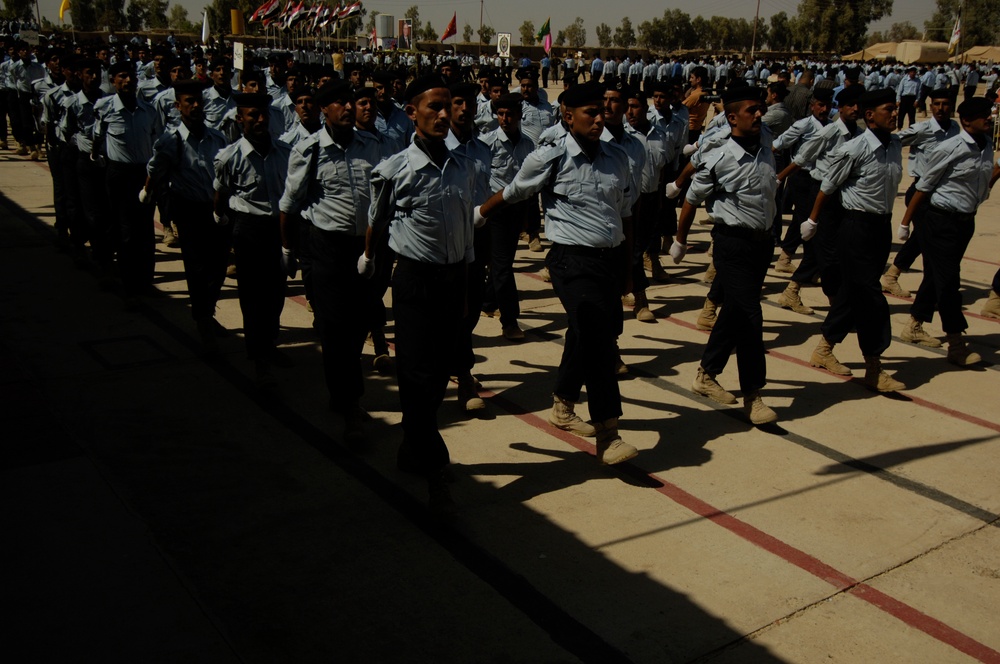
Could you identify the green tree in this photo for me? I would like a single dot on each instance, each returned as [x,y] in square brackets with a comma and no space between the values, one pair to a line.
[370,24]
[153,12]
[18,9]
[708,35]
[527,31]
[486,34]
[560,39]
[839,25]
[413,13]
[902,31]
[219,19]
[576,34]
[625,34]
[604,39]
[178,20]
[980,22]
[429,34]
[780,32]
[467,33]
[135,16]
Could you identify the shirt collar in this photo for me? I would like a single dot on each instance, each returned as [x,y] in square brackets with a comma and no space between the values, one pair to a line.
[935,123]
[967,137]
[872,140]
[182,131]
[842,128]
[247,148]
[736,149]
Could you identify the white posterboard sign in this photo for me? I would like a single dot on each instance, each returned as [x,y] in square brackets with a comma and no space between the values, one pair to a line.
[503,44]
[238,56]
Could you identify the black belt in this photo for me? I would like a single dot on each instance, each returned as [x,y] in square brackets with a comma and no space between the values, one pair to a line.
[869,216]
[580,250]
[957,216]
[436,268]
[743,232]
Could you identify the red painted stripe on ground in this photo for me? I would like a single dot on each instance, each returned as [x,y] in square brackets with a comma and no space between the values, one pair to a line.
[944,410]
[967,313]
[980,260]
[926,624]
[887,604]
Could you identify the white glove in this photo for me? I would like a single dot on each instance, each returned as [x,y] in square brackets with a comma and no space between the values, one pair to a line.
[808,229]
[677,251]
[366,266]
[903,233]
[478,220]
[689,149]
[221,220]
[288,262]
[673,191]
[143,196]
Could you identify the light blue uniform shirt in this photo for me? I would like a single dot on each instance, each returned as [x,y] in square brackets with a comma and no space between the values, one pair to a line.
[584,201]
[486,118]
[78,121]
[53,110]
[636,152]
[922,137]
[866,173]
[128,135]
[296,134]
[167,114]
[187,162]
[477,151]
[216,106]
[797,136]
[958,174]
[386,146]
[397,126]
[908,87]
[536,118]
[427,209]
[819,149]
[506,157]
[286,108]
[254,182]
[329,184]
[654,142]
[148,89]
[740,185]
[551,135]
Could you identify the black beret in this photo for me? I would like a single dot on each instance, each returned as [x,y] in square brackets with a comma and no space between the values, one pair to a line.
[484,72]
[511,101]
[383,76]
[252,99]
[354,66]
[746,93]
[622,88]
[69,61]
[220,62]
[188,86]
[974,108]
[876,98]
[527,72]
[849,96]
[421,85]
[824,95]
[333,91]
[93,64]
[365,92]
[940,93]
[303,91]
[465,90]
[662,87]
[583,94]
[121,66]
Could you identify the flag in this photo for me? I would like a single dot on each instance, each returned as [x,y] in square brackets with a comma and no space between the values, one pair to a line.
[266,10]
[349,11]
[956,35]
[373,36]
[452,28]
[545,34]
[204,29]
[63,8]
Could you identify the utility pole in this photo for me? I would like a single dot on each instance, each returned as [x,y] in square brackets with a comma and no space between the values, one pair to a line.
[753,41]
[480,28]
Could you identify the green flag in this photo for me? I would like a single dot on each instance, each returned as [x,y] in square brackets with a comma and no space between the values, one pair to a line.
[546,30]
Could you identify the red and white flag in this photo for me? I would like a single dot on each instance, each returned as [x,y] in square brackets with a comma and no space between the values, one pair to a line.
[266,10]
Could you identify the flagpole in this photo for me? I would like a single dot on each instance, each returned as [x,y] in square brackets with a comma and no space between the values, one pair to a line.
[480,29]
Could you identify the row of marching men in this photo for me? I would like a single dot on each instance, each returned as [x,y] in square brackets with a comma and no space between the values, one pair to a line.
[448,206]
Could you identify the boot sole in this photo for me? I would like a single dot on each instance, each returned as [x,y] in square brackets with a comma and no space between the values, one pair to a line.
[621,459]
[925,344]
[709,396]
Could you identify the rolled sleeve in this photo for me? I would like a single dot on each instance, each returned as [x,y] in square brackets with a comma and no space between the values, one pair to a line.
[380,209]
[297,180]
[838,172]
[532,176]
[702,186]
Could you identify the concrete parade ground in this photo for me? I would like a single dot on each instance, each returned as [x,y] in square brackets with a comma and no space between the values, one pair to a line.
[161,508]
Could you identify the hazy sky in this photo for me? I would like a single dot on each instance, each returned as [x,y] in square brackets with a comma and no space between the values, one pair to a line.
[507,15]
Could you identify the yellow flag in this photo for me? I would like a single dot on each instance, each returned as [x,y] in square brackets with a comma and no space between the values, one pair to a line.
[63,8]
